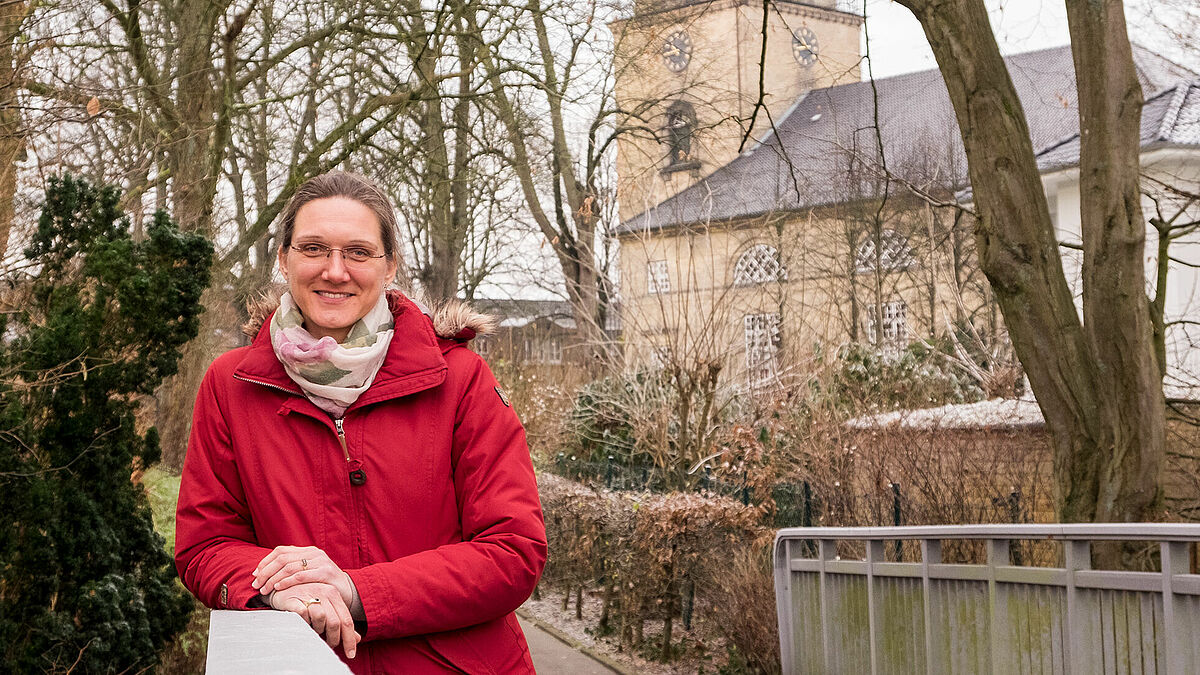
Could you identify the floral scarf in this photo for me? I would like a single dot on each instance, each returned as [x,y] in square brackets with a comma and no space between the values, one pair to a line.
[332,375]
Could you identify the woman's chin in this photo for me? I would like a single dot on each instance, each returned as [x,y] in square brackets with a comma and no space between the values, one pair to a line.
[334,326]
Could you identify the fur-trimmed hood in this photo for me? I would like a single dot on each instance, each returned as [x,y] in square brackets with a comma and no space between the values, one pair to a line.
[452,318]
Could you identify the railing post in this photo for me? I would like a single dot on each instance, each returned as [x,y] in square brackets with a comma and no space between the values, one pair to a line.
[784,606]
[931,554]
[998,556]
[826,551]
[1174,561]
[1077,555]
[874,555]
[897,519]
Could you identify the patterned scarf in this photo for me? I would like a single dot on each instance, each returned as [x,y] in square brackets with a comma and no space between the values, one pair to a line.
[332,375]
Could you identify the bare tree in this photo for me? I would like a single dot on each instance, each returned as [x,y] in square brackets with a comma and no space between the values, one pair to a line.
[1098,381]
[560,166]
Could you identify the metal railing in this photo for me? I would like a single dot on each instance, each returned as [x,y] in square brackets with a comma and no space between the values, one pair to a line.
[879,616]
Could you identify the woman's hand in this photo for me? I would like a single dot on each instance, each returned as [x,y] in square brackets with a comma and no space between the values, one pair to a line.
[322,607]
[288,566]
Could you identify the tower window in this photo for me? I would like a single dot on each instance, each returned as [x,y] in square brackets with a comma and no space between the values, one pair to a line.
[681,125]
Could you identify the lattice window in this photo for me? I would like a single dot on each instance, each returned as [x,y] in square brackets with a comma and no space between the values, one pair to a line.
[762,347]
[657,280]
[759,265]
[895,324]
[894,253]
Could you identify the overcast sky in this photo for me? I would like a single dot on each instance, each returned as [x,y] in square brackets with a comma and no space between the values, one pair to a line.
[897,43]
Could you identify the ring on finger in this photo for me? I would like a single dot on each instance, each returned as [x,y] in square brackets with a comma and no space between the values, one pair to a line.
[314,601]
[304,563]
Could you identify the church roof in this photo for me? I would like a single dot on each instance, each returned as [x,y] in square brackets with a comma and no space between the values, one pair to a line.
[815,155]
[1170,118]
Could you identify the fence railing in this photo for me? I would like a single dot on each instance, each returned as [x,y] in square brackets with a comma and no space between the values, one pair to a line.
[873,615]
[266,641]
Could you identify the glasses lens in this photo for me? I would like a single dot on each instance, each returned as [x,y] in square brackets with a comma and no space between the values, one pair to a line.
[314,250]
[358,255]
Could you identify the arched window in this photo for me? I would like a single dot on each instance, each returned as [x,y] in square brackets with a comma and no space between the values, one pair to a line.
[758,265]
[892,253]
[681,124]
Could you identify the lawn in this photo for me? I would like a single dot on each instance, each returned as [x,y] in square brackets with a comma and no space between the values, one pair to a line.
[163,489]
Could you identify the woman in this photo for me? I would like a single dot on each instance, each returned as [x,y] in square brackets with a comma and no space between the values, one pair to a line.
[358,465]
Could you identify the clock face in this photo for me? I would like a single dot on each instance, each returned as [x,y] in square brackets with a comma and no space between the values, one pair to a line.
[805,47]
[677,51]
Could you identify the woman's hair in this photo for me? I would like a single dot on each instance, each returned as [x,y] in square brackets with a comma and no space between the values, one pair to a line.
[351,186]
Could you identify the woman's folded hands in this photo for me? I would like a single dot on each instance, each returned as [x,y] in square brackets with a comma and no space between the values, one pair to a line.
[305,581]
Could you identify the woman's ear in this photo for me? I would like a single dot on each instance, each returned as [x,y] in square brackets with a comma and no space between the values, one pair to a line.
[393,266]
[282,260]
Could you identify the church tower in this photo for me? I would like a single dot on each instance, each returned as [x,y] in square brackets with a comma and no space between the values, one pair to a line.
[689,75]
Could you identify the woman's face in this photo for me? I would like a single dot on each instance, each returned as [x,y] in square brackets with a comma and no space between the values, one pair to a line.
[334,292]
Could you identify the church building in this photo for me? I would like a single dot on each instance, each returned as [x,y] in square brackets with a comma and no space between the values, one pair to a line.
[774,206]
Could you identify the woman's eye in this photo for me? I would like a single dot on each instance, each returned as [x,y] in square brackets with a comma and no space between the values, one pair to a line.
[313,249]
[358,253]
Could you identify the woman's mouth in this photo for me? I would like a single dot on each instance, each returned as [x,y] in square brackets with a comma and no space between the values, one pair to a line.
[333,295]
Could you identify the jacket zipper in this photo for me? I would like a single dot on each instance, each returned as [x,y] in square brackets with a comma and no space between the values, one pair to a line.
[266,384]
[357,475]
[354,466]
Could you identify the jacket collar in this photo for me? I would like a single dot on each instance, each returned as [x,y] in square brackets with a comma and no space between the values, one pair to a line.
[414,360]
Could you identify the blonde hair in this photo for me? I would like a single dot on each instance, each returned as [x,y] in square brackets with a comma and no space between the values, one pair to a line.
[351,186]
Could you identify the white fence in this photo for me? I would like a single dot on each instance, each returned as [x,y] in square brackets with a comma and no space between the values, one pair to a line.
[875,616]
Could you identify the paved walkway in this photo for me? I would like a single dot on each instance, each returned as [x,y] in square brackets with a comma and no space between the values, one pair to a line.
[552,656]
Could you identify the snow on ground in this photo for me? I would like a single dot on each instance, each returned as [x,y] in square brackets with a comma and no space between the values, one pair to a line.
[996,413]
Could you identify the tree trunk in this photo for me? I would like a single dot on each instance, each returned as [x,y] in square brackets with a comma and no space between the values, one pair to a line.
[1094,384]
[1116,310]
[12,133]
[177,395]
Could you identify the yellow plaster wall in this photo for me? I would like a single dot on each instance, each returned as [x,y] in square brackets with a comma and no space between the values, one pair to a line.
[702,313]
[721,82]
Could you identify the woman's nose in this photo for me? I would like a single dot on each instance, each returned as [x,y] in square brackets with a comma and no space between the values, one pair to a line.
[335,267]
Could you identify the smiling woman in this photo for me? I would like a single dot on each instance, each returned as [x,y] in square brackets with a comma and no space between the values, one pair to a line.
[355,465]
[333,264]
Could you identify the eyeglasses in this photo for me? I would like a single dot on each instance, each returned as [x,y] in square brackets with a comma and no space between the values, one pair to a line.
[351,254]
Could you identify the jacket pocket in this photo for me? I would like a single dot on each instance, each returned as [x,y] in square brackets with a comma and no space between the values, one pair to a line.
[484,649]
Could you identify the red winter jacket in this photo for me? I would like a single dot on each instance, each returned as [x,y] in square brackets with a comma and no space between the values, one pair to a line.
[443,540]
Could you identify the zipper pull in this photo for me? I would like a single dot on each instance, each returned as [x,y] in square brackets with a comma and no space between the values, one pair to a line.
[357,475]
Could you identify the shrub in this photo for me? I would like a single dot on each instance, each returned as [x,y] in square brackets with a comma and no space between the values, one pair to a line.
[84,580]
[859,378]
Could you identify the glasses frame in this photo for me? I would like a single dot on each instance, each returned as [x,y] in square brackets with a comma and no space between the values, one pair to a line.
[346,260]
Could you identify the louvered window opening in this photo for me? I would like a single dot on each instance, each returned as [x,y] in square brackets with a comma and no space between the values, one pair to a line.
[895,324]
[759,265]
[657,280]
[762,347]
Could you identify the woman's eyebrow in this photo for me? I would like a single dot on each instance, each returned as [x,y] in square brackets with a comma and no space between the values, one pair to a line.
[317,239]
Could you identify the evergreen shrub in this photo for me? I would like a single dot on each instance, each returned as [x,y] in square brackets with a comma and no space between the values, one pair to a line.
[85,583]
